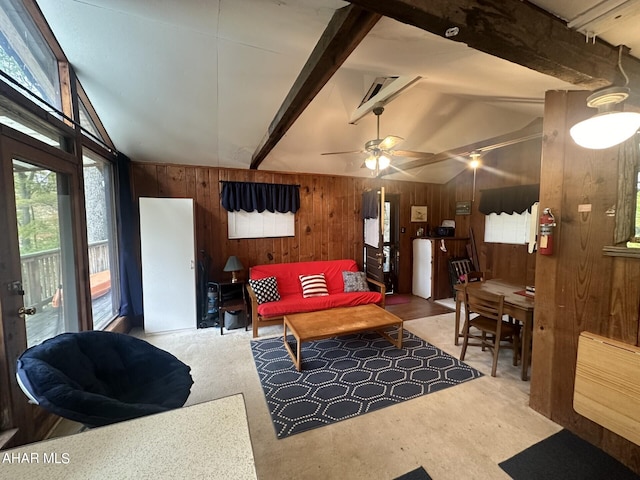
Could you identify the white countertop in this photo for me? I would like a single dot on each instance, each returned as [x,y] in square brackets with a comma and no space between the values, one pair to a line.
[205,441]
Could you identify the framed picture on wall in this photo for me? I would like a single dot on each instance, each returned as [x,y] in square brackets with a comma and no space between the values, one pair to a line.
[418,213]
[463,208]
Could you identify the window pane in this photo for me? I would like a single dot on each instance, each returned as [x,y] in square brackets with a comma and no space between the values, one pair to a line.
[43,210]
[634,241]
[33,129]
[99,205]
[87,123]
[25,55]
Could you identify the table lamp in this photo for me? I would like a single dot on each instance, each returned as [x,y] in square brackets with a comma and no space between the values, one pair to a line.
[233,265]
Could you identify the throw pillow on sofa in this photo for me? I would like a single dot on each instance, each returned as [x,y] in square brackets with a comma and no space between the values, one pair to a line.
[266,289]
[314,285]
[355,282]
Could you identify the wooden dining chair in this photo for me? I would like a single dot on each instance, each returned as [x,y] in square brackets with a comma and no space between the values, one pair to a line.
[473,276]
[493,330]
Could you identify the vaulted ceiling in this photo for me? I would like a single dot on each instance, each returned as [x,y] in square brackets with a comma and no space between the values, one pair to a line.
[205,82]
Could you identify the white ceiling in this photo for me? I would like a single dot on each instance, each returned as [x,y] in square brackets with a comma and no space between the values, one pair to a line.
[198,82]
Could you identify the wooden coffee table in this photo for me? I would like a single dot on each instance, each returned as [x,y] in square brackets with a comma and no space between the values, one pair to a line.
[338,321]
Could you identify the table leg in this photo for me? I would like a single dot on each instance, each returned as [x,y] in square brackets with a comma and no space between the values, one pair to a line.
[527,333]
[457,332]
[396,342]
[296,359]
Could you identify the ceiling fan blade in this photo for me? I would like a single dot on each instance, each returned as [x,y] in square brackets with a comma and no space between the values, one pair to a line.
[410,154]
[341,153]
[389,142]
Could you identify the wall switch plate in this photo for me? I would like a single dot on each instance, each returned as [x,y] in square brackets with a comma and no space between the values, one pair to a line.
[403,230]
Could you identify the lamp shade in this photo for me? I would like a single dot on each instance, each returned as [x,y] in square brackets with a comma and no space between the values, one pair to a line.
[233,264]
[606,129]
[370,162]
[383,162]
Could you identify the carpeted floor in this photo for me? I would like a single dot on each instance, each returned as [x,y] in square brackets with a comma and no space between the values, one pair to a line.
[487,419]
[566,456]
[348,376]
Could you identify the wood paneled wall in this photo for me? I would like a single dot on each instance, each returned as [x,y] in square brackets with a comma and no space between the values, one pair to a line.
[327,226]
[578,288]
[504,167]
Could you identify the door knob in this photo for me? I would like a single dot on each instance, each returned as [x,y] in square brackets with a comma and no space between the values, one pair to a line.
[23,311]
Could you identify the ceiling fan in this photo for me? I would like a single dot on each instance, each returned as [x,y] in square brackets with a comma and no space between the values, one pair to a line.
[380,150]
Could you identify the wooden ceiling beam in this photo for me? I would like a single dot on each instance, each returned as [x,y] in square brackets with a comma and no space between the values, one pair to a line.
[348,26]
[519,32]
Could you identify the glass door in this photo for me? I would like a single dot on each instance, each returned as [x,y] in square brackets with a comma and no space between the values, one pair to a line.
[48,277]
[39,267]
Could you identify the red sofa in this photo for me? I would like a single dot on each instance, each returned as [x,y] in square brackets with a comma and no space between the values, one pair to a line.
[290,290]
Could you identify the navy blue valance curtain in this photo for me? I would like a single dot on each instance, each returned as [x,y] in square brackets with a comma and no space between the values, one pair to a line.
[249,196]
[509,200]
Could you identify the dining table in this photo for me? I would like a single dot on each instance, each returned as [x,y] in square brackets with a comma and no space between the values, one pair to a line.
[517,305]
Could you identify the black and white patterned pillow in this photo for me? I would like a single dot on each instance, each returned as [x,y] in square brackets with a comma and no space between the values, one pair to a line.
[355,282]
[266,289]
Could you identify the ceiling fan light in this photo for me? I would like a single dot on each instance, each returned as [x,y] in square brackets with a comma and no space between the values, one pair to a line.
[370,162]
[474,161]
[383,162]
[605,130]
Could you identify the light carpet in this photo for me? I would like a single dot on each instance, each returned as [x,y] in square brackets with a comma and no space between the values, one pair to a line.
[488,418]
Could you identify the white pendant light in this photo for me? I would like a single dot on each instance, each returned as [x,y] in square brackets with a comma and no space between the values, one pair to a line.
[370,162]
[383,162]
[608,127]
[474,163]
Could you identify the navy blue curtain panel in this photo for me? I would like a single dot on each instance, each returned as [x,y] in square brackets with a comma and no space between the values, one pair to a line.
[127,219]
[369,208]
[249,196]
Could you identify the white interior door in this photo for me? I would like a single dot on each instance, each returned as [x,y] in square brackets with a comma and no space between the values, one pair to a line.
[167,244]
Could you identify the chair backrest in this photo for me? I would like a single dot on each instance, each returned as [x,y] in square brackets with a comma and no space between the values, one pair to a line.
[457,268]
[487,304]
[473,277]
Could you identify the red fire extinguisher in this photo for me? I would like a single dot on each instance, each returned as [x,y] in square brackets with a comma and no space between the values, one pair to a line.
[545,242]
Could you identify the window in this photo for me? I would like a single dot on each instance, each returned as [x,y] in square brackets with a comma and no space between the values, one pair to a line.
[626,235]
[24,124]
[101,237]
[261,225]
[506,228]
[25,56]
[634,242]
[87,123]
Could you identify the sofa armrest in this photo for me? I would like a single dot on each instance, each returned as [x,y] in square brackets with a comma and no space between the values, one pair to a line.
[381,287]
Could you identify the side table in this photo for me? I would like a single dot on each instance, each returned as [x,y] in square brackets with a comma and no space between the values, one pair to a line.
[237,302]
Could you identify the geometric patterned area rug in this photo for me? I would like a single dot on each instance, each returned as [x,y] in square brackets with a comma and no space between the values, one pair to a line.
[350,375]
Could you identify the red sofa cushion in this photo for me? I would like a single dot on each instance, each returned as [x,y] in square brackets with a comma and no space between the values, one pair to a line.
[287,274]
[291,299]
[296,304]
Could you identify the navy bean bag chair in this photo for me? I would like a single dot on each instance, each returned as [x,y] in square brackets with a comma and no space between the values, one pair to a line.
[97,378]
